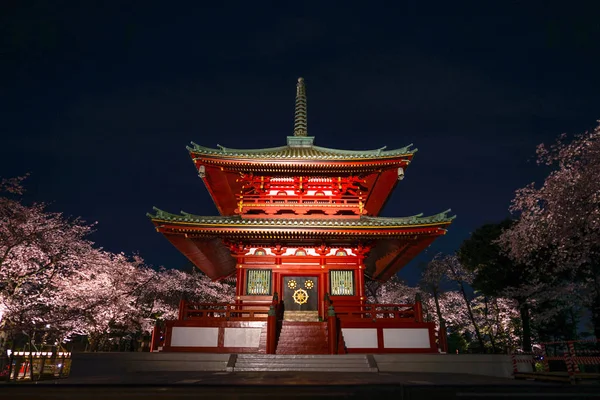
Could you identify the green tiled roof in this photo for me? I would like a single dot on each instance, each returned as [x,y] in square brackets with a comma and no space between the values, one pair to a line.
[418,219]
[309,152]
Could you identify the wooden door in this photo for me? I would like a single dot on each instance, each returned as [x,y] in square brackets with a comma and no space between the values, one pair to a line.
[300,293]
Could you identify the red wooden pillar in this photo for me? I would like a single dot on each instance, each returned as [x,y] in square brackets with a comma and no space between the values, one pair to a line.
[418,311]
[360,281]
[239,287]
[271,330]
[155,338]
[238,252]
[323,285]
[182,307]
[332,330]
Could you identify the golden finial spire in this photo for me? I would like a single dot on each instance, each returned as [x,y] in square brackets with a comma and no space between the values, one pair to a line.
[300,125]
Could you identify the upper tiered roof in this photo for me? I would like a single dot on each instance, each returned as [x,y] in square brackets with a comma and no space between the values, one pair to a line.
[311,152]
[300,146]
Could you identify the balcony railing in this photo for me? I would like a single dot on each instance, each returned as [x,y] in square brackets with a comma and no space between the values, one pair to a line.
[272,203]
[223,311]
[408,312]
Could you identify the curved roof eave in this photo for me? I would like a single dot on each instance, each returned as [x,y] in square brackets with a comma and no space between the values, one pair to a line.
[300,153]
[414,220]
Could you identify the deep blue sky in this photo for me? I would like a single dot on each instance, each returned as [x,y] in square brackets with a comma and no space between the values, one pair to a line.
[98,100]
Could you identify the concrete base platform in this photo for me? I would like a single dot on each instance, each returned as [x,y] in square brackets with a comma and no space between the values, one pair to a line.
[276,385]
[478,364]
[85,364]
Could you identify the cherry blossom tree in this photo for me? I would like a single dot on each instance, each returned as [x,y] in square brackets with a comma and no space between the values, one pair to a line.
[54,284]
[392,291]
[447,268]
[495,274]
[173,285]
[37,249]
[106,299]
[558,230]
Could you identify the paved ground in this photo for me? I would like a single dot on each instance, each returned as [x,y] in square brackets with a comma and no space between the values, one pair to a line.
[276,385]
[294,378]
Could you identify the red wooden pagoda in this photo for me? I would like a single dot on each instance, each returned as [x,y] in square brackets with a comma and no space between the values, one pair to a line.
[300,232]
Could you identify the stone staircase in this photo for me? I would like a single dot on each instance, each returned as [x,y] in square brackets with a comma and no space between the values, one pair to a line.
[323,363]
[302,338]
[262,344]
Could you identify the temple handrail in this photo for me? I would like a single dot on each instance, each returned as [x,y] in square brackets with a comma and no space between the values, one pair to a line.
[245,310]
[299,199]
[377,311]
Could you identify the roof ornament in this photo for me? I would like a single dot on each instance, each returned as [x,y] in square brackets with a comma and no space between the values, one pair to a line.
[300,124]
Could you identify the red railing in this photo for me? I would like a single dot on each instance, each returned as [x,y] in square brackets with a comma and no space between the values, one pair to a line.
[252,199]
[273,203]
[225,311]
[409,312]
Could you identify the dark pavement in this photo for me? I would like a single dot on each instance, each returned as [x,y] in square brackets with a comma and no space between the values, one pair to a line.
[283,385]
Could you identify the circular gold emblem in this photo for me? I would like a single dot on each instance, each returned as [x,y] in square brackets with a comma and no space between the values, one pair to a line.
[292,284]
[309,284]
[300,296]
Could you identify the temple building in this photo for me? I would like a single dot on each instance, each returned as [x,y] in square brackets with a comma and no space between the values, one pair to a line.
[300,231]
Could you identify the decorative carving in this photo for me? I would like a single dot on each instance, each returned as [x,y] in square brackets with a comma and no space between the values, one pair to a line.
[309,284]
[300,252]
[300,296]
[292,284]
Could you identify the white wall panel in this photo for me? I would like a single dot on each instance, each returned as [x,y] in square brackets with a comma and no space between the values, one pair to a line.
[406,338]
[242,337]
[194,337]
[360,338]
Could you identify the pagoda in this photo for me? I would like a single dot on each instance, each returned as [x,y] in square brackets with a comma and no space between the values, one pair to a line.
[299,229]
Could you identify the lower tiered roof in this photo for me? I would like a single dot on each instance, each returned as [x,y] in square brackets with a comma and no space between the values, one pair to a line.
[395,241]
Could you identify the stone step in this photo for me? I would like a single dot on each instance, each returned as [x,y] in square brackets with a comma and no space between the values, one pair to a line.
[308,368]
[303,329]
[305,362]
[348,357]
[302,362]
[304,350]
[305,325]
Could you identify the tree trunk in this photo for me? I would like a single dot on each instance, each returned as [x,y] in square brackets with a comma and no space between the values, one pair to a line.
[595,309]
[30,356]
[438,309]
[471,317]
[94,340]
[491,329]
[3,341]
[526,322]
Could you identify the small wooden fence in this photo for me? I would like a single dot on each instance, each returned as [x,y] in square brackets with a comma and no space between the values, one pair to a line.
[37,365]
[562,360]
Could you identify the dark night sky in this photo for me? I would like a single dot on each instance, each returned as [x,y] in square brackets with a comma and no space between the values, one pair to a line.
[98,101]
